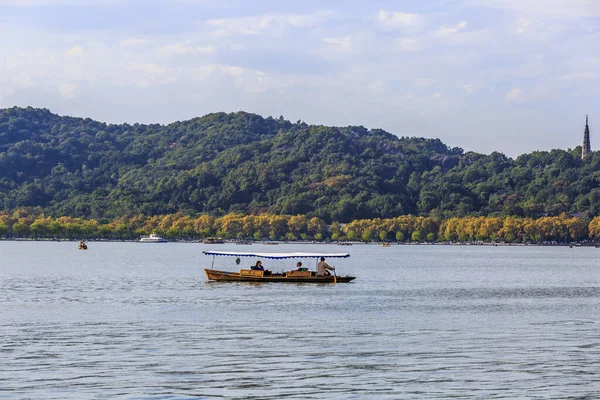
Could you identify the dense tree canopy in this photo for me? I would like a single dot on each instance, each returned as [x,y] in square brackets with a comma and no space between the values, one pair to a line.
[407,228]
[244,163]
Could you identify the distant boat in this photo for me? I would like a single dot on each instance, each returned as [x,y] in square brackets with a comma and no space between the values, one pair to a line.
[344,244]
[385,244]
[82,246]
[213,240]
[271,243]
[153,238]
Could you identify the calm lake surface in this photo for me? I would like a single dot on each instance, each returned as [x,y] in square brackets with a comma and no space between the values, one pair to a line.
[140,321]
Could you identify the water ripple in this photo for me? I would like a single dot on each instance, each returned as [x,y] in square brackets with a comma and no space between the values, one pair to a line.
[447,322]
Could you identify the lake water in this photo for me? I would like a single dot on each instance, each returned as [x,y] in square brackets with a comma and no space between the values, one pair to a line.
[140,321]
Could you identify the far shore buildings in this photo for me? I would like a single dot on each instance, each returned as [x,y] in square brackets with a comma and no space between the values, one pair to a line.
[586,148]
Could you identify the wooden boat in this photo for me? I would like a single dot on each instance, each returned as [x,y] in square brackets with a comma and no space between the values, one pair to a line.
[248,275]
[213,240]
[294,276]
[385,244]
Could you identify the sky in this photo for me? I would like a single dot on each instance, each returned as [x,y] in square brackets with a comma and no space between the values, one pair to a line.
[512,76]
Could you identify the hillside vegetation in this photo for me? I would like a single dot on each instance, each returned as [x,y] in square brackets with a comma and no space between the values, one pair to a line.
[244,163]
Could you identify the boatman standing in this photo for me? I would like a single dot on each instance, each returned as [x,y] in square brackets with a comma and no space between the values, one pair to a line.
[323,267]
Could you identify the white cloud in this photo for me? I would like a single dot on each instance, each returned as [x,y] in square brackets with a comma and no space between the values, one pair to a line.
[203,72]
[233,70]
[176,49]
[147,68]
[468,88]
[143,75]
[377,87]
[395,19]
[409,44]
[451,30]
[343,42]
[521,26]
[539,29]
[515,94]
[576,76]
[247,80]
[75,51]
[423,82]
[37,3]
[264,24]
[549,8]
[22,66]
[6,92]
[133,42]
[67,89]
[28,3]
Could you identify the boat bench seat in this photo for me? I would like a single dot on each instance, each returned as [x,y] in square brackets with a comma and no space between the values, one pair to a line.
[304,274]
[251,272]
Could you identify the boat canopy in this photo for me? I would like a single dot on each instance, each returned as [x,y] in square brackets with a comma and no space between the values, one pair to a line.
[276,256]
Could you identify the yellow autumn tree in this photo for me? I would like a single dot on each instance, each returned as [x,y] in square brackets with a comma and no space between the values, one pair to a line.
[298,225]
[594,228]
[204,225]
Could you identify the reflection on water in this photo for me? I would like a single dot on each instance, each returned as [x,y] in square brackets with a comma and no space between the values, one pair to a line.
[139,321]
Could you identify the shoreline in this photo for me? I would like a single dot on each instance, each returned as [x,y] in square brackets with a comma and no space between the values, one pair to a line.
[341,244]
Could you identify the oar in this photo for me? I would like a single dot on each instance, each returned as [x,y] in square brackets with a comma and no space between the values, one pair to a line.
[334,277]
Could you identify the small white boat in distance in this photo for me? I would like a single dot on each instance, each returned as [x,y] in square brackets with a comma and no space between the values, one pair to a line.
[153,238]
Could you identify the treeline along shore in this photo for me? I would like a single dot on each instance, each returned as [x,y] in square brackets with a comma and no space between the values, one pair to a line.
[409,228]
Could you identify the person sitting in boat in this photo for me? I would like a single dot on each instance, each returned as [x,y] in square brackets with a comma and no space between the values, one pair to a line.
[299,267]
[258,266]
[323,268]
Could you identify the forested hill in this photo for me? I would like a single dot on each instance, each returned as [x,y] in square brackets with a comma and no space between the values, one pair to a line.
[223,163]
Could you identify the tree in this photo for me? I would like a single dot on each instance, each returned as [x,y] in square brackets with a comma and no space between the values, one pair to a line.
[315,226]
[40,227]
[3,228]
[298,224]
[383,235]
[594,228]
[20,228]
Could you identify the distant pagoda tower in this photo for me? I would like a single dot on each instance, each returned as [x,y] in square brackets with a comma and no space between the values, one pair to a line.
[586,140]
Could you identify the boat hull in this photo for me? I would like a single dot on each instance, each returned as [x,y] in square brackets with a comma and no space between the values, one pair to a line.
[224,276]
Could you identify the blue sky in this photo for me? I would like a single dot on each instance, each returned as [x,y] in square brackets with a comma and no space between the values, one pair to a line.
[486,75]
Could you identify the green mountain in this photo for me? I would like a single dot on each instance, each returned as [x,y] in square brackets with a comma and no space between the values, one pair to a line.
[243,162]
